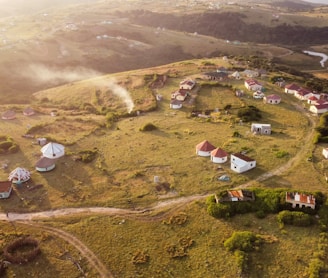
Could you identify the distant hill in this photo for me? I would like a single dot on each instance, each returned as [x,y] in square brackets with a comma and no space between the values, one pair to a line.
[232,26]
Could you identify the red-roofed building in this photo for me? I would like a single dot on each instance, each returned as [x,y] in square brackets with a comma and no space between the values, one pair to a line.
[312,100]
[219,156]
[5,189]
[9,115]
[272,99]
[291,88]
[204,148]
[300,200]
[175,104]
[28,111]
[253,85]
[303,94]
[319,108]
[187,84]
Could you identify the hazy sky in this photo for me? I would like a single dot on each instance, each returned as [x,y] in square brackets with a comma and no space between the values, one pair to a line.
[318,1]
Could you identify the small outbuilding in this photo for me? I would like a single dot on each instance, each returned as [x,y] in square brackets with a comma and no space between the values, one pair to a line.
[28,111]
[241,163]
[261,128]
[9,115]
[325,153]
[45,164]
[53,150]
[204,148]
[176,104]
[19,175]
[5,189]
[272,99]
[219,156]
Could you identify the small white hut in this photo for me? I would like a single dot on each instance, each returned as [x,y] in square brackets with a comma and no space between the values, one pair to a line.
[53,150]
[219,156]
[19,175]
[45,164]
[204,148]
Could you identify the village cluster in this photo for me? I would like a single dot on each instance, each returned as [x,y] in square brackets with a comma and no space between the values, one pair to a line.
[50,153]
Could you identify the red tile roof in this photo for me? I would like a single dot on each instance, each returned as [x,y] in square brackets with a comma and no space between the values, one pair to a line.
[205,146]
[243,157]
[300,198]
[5,186]
[292,87]
[273,96]
[218,152]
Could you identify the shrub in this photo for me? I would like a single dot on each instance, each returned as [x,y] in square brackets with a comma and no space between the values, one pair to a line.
[243,241]
[296,218]
[249,113]
[281,154]
[148,127]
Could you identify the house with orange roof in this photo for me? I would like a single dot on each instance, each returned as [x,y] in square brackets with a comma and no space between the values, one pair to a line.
[219,156]
[300,200]
[204,148]
[241,163]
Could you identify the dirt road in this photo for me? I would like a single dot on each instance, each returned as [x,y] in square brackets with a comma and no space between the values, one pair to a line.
[147,214]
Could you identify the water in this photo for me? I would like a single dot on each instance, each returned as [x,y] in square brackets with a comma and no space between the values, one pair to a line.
[324,56]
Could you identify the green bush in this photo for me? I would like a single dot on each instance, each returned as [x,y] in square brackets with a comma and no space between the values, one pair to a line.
[249,113]
[148,127]
[243,241]
[296,218]
[315,267]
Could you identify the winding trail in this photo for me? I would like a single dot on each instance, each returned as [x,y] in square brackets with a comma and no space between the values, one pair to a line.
[162,208]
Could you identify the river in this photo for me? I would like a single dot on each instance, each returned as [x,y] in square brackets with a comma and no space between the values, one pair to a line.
[324,56]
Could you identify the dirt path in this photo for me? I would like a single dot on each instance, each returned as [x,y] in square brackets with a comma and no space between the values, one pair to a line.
[79,245]
[162,208]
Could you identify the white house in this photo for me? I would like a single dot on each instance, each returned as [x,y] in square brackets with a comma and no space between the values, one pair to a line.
[261,128]
[5,189]
[319,108]
[219,156]
[175,104]
[241,163]
[258,95]
[181,94]
[272,99]
[236,75]
[253,85]
[187,84]
[325,153]
[303,94]
[291,88]
[204,148]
